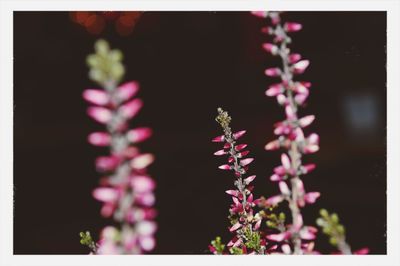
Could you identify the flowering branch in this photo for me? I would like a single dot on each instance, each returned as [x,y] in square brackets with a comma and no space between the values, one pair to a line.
[244,223]
[337,233]
[291,95]
[126,191]
[86,240]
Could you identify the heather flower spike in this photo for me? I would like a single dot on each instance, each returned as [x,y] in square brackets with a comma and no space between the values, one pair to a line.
[336,232]
[291,95]
[127,190]
[245,223]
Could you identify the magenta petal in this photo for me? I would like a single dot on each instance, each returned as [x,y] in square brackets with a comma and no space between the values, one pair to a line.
[243,153]
[280,170]
[301,98]
[236,201]
[100,114]
[306,235]
[219,139]
[271,48]
[146,228]
[246,161]
[147,243]
[273,72]
[142,161]
[292,26]
[235,227]
[106,163]
[362,251]
[98,97]
[283,187]
[311,197]
[281,99]
[131,108]
[298,134]
[260,14]
[240,147]
[258,224]
[293,58]
[249,179]
[278,237]
[286,249]
[276,177]
[306,121]
[105,194]
[139,134]
[239,134]
[141,184]
[233,240]
[308,168]
[274,90]
[107,209]
[127,90]
[225,167]
[300,88]
[232,192]
[99,138]
[273,145]
[285,161]
[310,149]
[301,66]
[237,243]
[145,199]
[313,138]
[250,198]
[274,200]
[220,152]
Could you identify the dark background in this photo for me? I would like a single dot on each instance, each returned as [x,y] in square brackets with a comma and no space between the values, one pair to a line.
[188,64]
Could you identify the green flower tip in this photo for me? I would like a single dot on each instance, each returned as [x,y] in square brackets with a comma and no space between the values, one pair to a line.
[223,118]
[324,213]
[86,238]
[102,47]
[105,64]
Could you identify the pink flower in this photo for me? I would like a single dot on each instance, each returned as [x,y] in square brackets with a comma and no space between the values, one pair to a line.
[275,89]
[131,108]
[279,237]
[273,72]
[96,96]
[260,14]
[300,66]
[274,200]
[292,26]
[127,90]
[271,48]
[139,134]
[100,114]
[99,139]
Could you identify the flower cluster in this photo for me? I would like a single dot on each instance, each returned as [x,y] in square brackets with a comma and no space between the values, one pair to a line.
[245,223]
[290,94]
[337,233]
[126,189]
[295,238]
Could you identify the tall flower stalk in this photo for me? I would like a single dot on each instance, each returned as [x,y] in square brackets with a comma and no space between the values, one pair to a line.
[291,95]
[126,189]
[245,223]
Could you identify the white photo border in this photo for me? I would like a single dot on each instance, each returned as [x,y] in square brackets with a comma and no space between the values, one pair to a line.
[7,7]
